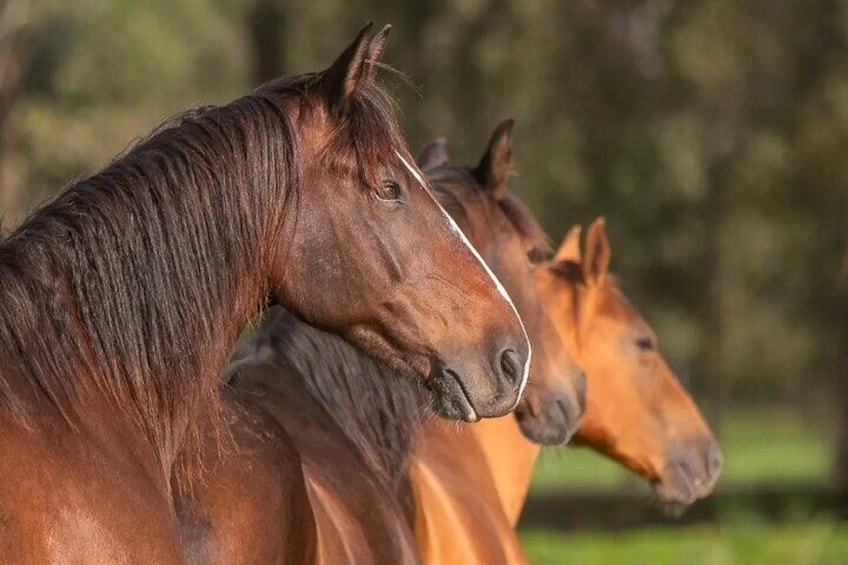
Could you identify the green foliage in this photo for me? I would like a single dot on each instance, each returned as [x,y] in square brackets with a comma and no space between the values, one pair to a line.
[711,135]
[170,54]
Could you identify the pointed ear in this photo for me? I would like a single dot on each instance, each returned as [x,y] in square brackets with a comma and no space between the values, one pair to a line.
[496,164]
[569,249]
[597,259]
[433,154]
[342,78]
[375,53]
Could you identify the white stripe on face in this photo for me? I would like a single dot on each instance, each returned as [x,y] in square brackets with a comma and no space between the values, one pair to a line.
[455,228]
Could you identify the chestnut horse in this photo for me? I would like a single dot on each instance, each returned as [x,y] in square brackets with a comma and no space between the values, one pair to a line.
[659,432]
[350,502]
[469,488]
[122,298]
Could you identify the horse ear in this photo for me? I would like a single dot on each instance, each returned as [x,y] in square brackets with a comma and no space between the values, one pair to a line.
[433,154]
[569,249]
[496,164]
[597,260]
[375,53]
[343,76]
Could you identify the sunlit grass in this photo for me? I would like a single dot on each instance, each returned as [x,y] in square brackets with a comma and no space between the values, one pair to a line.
[820,543]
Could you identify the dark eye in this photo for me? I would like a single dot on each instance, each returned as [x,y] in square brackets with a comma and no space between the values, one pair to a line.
[389,191]
[645,344]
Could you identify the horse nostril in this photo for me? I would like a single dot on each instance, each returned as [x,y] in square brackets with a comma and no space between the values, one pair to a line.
[581,393]
[685,469]
[566,416]
[716,461]
[510,365]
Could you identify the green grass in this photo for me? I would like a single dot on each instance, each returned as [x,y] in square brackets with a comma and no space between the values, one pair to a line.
[758,447]
[819,543]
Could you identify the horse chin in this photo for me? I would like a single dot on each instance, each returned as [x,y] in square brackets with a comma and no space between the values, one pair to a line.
[543,432]
[547,424]
[682,482]
[674,494]
[451,399]
[672,508]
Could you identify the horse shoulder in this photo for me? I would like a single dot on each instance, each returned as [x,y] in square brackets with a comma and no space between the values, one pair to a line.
[459,518]
[68,497]
[251,505]
[359,519]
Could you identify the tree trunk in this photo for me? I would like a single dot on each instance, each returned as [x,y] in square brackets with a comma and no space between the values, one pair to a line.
[708,365]
[723,135]
[267,23]
[841,386]
[15,18]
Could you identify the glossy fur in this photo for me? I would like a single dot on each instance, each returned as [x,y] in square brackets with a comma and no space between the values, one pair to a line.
[123,296]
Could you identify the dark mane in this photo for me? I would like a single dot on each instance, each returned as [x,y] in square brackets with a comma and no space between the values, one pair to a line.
[134,283]
[378,409]
[536,239]
[451,183]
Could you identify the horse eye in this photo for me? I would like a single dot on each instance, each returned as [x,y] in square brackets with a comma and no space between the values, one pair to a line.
[389,191]
[645,344]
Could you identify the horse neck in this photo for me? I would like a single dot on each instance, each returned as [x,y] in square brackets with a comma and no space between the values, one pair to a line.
[510,458]
[151,269]
[378,409]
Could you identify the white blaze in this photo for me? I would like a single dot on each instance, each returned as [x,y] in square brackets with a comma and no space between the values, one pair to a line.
[455,228]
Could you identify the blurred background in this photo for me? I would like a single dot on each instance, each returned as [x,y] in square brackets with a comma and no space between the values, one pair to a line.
[713,135]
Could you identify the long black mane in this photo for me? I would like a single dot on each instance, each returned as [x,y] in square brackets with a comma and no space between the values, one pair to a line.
[377,408]
[133,283]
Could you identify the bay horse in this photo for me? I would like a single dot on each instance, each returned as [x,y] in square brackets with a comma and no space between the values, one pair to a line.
[506,234]
[350,500]
[469,488]
[123,296]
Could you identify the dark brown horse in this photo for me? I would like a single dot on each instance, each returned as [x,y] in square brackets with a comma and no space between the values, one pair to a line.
[122,297]
[545,414]
[506,234]
[351,438]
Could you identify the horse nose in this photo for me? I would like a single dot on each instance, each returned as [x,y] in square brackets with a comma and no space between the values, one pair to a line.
[571,401]
[511,361]
[702,467]
[715,461]
[572,414]
[511,368]
[487,385]
[551,420]
[581,394]
[511,364]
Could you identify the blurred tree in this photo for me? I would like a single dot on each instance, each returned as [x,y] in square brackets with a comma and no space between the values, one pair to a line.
[15,20]
[15,17]
[711,134]
[841,377]
[267,24]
